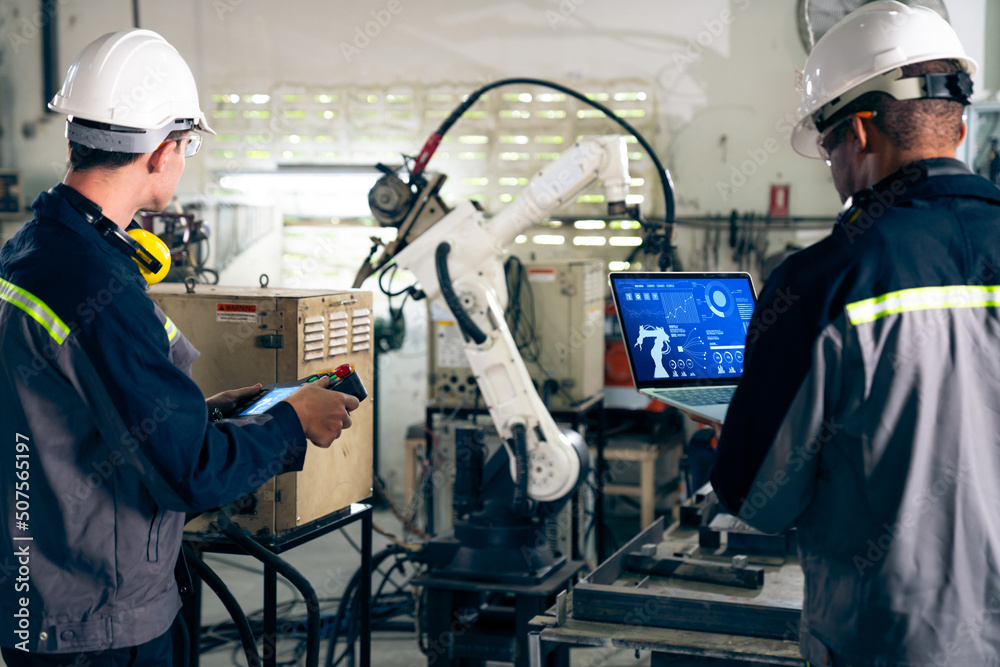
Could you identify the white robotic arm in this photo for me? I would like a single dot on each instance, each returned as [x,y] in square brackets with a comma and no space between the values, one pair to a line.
[459,260]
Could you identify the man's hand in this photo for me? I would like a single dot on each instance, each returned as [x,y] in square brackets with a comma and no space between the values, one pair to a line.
[225,401]
[324,413]
[706,422]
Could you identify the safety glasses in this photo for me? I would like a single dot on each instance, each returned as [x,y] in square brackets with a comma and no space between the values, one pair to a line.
[825,143]
[193,145]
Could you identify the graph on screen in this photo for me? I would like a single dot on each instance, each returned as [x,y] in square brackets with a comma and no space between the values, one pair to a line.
[679,307]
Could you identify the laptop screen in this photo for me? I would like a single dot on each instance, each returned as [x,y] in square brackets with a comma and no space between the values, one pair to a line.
[684,328]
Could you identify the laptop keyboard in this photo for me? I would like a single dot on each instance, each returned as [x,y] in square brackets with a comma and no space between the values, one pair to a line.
[697,395]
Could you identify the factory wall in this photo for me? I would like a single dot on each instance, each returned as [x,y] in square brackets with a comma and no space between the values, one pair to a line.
[722,73]
[722,70]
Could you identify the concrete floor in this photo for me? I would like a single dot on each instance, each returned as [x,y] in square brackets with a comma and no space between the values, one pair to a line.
[329,562]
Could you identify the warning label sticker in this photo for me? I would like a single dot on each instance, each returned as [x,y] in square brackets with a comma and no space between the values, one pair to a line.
[236,312]
[541,275]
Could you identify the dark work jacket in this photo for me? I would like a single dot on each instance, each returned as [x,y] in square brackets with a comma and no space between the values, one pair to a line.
[105,443]
[869,417]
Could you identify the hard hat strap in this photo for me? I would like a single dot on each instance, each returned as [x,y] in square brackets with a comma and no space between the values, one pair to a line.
[956,87]
[119,139]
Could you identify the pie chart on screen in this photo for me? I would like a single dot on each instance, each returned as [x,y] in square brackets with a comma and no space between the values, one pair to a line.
[719,299]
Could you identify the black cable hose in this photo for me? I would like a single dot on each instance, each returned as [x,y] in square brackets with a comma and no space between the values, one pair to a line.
[549,388]
[665,180]
[228,600]
[226,633]
[388,290]
[211,272]
[338,620]
[399,626]
[345,610]
[519,443]
[465,323]
[520,318]
[247,543]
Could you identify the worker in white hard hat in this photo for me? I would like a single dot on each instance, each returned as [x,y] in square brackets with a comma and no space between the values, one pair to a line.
[107,441]
[868,416]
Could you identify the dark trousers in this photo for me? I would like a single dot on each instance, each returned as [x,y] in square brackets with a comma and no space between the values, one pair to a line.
[154,653]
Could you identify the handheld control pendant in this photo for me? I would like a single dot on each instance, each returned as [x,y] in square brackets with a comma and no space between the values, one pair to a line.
[345,380]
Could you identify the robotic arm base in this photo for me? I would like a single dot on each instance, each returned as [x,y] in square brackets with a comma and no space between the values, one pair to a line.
[577,443]
[494,542]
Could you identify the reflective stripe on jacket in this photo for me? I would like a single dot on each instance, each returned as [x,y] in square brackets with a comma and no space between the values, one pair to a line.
[110,441]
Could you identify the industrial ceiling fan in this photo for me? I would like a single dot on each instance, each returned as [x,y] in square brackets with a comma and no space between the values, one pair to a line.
[815,17]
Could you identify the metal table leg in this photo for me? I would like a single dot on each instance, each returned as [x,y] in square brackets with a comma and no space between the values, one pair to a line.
[599,491]
[428,489]
[534,649]
[270,654]
[366,588]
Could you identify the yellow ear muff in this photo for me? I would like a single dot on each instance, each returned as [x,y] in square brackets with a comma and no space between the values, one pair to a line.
[152,246]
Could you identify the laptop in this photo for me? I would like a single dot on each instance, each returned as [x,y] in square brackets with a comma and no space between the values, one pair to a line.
[685,335]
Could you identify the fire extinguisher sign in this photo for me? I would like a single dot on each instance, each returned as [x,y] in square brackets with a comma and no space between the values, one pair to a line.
[779,201]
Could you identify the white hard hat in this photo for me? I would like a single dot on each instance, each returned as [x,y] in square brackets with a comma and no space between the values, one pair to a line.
[863,53]
[131,80]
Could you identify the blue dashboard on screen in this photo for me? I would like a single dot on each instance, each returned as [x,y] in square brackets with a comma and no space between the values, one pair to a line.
[684,328]
[269,399]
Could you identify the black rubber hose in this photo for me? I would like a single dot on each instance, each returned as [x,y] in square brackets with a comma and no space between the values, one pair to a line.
[225,596]
[247,543]
[346,601]
[349,604]
[430,146]
[519,443]
[549,388]
[469,328]
[661,171]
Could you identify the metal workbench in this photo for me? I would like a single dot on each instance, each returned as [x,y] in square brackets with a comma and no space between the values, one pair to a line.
[681,647]
[681,622]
